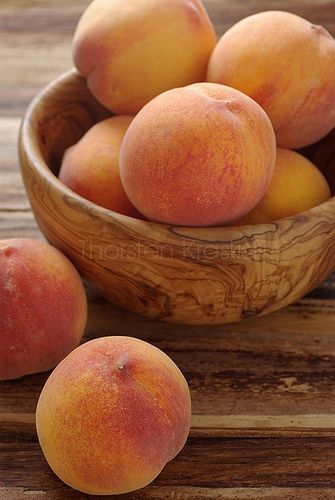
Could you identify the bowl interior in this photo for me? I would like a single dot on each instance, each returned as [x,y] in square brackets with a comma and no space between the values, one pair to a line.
[68,110]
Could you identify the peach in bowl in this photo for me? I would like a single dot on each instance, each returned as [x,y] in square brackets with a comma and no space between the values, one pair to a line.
[183,274]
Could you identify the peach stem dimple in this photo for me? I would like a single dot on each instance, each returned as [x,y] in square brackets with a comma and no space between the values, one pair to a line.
[120,365]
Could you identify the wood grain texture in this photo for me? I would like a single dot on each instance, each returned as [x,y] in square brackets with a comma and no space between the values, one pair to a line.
[183,275]
[252,369]
[202,464]
[185,493]
[263,407]
[263,389]
[36,36]
[12,193]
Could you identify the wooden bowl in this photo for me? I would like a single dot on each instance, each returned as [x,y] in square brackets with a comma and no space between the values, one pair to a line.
[178,274]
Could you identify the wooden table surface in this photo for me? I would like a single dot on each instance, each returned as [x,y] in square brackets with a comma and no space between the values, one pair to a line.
[263,390]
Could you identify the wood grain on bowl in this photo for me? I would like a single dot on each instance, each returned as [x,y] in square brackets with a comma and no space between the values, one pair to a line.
[177,274]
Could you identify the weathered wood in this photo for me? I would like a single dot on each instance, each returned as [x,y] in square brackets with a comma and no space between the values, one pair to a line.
[18,224]
[263,390]
[256,375]
[203,463]
[36,38]
[12,192]
[180,493]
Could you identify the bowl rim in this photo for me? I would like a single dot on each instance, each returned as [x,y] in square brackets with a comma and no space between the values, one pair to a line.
[222,233]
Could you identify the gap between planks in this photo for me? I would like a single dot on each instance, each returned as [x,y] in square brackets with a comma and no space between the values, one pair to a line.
[181,493]
[205,423]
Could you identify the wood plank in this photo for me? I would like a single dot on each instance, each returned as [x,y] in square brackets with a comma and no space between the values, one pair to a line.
[223,425]
[271,366]
[12,193]
[18,224]
[204,463]
[183,493]
[36,38]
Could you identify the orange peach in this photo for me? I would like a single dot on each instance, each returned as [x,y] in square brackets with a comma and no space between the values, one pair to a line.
[132,51]
[91,167]
[199,155]
[112,414]
[287,65]
[297,185]
[43,307]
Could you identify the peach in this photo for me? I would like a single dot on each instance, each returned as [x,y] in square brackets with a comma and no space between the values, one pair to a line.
[287,65]
[297,185]
[91,167]
[199,155]
[43,307]
[132,51]
[112,414]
